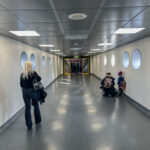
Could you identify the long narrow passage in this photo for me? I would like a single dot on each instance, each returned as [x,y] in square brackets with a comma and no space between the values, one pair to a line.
[77,117]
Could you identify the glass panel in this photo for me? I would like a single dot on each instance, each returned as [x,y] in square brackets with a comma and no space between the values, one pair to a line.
[23,59]
[76,65]
[136,59]
[113,60]
[126,59]
[50,61]
[32,59]
[85,66]
[105,60]
[43,61]
[67,66]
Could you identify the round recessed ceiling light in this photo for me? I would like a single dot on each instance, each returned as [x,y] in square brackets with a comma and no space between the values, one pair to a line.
[77,16]
[76,44]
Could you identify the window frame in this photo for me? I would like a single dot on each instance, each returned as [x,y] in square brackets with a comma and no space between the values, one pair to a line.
[126,52]
[22,65]
[139,52]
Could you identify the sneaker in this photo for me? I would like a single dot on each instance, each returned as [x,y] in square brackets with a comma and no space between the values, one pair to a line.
[119,94]
[105,95]
[37,122]
[29,128]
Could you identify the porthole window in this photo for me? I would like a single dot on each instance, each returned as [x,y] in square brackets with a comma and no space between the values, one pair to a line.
[126,59]
[50,61]
[43,61]
[113,60]
[32,59]
[136,59]
[105,60]
[23,59]
[54,60]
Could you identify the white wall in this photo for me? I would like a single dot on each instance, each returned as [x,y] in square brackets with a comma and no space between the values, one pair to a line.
[138,81]
[10,93]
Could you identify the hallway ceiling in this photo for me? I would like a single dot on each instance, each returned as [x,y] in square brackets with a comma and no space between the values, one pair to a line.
[75,37]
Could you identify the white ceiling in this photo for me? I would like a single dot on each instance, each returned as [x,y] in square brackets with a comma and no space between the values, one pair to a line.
[50,19]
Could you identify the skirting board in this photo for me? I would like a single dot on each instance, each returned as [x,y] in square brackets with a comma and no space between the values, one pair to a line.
[11,120]
[133,102]
[20,112]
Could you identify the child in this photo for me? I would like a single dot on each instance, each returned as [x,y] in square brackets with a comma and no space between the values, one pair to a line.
[121,83]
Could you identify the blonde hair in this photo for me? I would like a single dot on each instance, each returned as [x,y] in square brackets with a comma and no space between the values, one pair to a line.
[27,69]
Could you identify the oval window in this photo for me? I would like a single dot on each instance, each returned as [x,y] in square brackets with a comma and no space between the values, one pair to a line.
[43,61]
[126,59]
[32,59]
[105,60]
[113,60]
[54,60]
[23,59]
[50,61]
[136,59]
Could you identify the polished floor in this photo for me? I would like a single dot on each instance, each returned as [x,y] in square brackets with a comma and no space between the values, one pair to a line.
[77,117]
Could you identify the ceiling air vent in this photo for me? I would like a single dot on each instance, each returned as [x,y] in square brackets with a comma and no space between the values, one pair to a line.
[75,49]
[76,37]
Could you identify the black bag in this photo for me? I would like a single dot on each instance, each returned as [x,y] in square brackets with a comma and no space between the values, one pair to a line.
[37,85]
[42,96]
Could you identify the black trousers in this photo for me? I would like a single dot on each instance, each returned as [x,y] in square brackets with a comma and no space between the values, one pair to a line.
[29,95]
[109,91]
[120,91]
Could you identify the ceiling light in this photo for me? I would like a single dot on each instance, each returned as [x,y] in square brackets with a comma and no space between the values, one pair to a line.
[75,49]
[91,52]
[128,30]
[63,83]
[76,37]
[105,44]
[77,16]
[96,49]
[25,33]
[76,44]
[55,50]
[44,45]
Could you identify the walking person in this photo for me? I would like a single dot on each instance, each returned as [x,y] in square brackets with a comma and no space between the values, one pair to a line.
[30,96]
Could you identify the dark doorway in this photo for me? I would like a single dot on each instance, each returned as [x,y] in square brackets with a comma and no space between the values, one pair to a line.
[76,66]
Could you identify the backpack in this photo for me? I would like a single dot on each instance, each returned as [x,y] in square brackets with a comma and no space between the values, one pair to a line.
[108,83]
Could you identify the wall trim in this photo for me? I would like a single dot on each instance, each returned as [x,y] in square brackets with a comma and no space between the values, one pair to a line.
[131,42]
[54,80]
[138,106]
[11,120]
[96,76]
[133,102]
[21,111]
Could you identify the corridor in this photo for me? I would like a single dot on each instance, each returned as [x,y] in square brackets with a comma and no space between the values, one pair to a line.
[77,117]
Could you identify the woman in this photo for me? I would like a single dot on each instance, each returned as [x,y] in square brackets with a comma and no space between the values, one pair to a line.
[26,80]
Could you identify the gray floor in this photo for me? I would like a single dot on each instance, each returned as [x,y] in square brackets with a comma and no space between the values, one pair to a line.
[77,117]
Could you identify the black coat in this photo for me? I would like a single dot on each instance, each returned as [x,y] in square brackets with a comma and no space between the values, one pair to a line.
[42,95]
[113,81]
[108,91]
